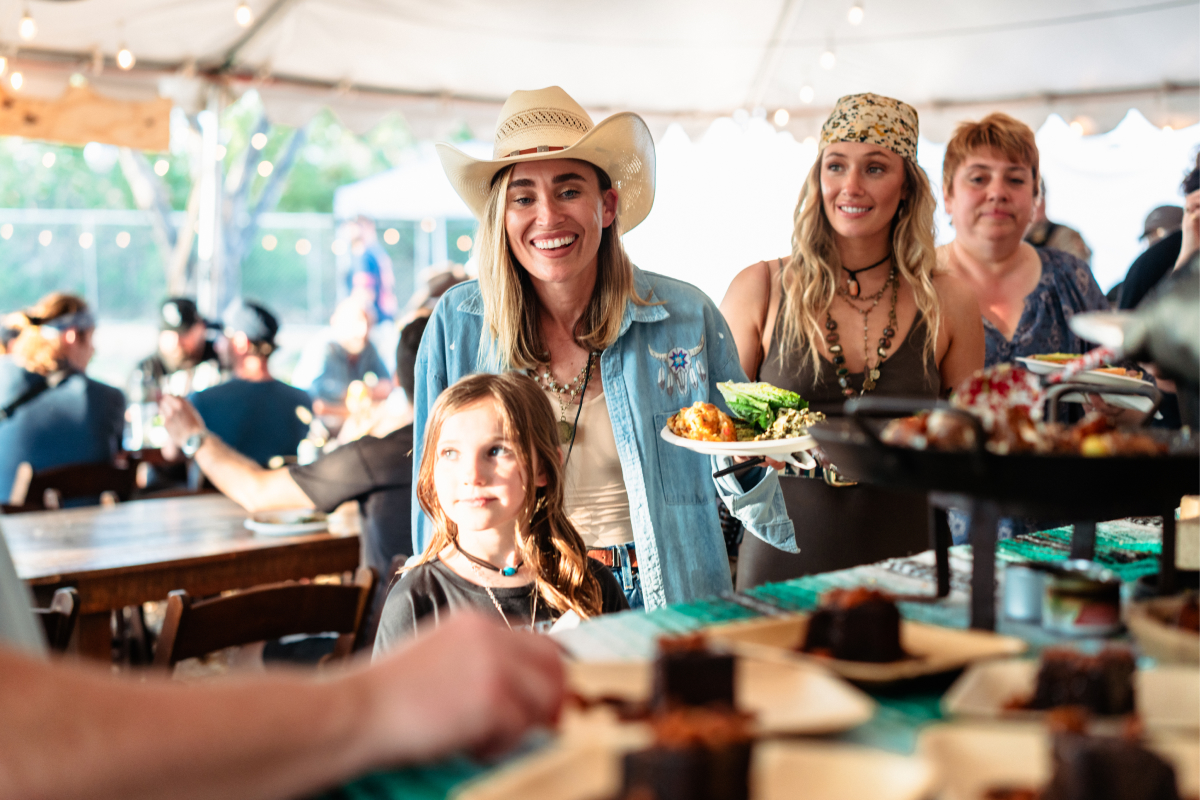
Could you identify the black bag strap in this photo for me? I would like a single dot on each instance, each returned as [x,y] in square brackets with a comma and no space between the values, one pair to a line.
[51,380]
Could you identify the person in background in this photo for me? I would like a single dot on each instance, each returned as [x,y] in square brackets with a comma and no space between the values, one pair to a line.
[432,283]
[863,268]
[253,413]
[51,413]
[370,278]
[1163,255]
[469,686]
[1161,223]
[491,480]
[377,472]
[186,360]
[1044,233]
[331,363]
[1026,294]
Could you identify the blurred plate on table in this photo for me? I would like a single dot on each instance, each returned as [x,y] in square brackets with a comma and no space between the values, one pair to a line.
[287,522]
[970,758]
[1099,379]
[932,649]
[1167,698]
[785,695]
[780,770]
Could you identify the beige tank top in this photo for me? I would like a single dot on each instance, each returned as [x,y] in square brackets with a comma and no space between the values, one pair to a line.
[597,503]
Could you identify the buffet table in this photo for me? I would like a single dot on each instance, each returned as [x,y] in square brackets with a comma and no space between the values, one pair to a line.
[1130,548]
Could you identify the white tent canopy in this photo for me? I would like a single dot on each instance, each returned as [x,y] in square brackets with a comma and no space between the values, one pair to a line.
[443,64]
[415,190]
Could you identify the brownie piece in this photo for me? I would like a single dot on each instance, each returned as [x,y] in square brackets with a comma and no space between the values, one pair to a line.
[1102,683]
[1107,768]
[855,625]
[687,673]
[698,754]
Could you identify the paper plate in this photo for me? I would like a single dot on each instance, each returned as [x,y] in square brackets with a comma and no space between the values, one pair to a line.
[578,771]
[786,695]
[287,522]
[933,649]
[970,758]
[1167,643]
[1168,698]
[780,449]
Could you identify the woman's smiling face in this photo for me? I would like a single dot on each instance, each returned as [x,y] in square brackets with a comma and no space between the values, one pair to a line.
[555,214]
[861,188]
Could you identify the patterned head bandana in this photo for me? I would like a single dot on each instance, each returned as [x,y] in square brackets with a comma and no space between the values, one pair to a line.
[873,119]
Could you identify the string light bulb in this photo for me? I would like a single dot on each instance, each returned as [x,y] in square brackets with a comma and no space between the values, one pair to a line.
[807,94]
[3,64]
[16,81]
[855,15]
[828,58]
[781,117]
[125,58]
[27,27]
[243,14]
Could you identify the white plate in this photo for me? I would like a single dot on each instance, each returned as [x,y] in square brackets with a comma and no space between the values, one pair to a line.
[825,770]
[1096,378]
[287,522]
[781,449]
[1167,697]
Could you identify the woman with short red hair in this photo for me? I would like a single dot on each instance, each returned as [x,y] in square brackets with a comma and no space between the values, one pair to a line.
[1026,294]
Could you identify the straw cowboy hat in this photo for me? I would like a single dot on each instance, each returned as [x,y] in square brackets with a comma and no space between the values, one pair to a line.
[546,124]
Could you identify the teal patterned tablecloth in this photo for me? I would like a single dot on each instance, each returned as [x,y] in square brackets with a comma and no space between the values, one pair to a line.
[1128,547]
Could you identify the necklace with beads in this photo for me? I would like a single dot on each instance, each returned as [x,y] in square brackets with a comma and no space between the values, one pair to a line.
[852,289]
[565,394]
[870,374]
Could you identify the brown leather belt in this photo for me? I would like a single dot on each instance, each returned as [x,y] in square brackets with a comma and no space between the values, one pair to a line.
[607,557]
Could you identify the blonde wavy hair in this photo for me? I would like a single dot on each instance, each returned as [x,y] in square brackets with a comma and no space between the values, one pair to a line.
[810,279]
[547,540]
[510,305]
[32,349]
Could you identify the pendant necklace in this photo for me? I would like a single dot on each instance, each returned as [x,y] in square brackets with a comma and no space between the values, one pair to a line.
[852,287]
[507,572]
[492,595]
[566,430]
[870,374]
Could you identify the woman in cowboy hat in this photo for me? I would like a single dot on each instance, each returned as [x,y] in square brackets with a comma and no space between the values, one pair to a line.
[858,308]
[617,350]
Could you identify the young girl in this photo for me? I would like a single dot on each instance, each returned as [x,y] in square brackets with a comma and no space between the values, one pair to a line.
[491,480]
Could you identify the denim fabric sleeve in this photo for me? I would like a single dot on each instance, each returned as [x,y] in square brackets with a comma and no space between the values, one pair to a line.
[431,379]
[754,497]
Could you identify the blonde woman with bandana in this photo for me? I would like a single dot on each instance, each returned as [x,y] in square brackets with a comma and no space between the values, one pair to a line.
[616,349]
[858,308]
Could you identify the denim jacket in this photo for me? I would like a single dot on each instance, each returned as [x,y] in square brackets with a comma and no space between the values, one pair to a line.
[667,356]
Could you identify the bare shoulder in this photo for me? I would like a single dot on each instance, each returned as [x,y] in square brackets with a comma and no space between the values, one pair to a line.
[954,292]
[750,287]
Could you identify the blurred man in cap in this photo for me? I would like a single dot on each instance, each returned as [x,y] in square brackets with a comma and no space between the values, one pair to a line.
[253,413]
[1160,223]
[185,361]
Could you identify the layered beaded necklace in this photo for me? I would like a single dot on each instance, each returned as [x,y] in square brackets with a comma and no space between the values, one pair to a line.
[870,374]
[565,394]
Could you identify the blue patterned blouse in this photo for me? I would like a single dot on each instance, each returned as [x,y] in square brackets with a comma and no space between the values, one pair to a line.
[1066,288]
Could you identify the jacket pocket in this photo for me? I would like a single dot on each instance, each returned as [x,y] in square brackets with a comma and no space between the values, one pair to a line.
[685,476]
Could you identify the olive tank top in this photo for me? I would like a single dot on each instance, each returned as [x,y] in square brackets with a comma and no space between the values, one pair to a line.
[904,373]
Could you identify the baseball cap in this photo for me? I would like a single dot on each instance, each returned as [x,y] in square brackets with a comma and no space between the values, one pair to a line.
[179,314]
[259,325]
[1166,218]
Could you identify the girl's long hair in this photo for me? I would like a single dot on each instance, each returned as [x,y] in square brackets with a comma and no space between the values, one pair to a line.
[32,349]
[547,540]
[810,279]
[510,305]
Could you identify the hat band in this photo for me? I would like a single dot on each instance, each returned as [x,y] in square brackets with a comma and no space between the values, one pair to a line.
[542,148]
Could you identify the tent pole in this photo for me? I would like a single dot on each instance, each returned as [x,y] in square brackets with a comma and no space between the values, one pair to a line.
[210,249]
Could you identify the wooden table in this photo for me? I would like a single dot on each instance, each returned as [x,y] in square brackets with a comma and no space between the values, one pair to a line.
[140,551]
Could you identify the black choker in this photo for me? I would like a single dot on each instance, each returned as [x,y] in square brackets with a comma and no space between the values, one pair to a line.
[852,287]
[507,572]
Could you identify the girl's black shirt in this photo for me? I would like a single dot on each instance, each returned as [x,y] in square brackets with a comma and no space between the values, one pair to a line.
[426,593]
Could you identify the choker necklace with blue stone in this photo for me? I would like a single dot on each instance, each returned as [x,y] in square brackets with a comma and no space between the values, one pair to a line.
[507,572]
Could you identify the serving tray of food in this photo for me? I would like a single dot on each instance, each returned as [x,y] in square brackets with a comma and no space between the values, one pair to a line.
[1109,376]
